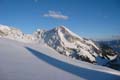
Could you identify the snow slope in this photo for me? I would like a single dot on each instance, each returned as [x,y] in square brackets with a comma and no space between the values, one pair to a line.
[22,61]
[64,42]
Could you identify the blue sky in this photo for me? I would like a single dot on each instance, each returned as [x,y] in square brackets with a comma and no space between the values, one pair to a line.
[88,18]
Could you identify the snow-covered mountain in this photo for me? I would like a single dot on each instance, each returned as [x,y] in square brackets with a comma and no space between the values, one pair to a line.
[115,44]
[70,44]
[19,61]
[63,41]
[15,34]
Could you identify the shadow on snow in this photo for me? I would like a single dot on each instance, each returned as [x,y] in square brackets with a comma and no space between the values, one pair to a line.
[78,71]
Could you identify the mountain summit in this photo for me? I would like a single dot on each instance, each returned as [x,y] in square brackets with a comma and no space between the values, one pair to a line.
[65,42]
[70,44]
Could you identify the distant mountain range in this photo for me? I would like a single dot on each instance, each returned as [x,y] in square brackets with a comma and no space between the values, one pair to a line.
[115,45]
[67,43]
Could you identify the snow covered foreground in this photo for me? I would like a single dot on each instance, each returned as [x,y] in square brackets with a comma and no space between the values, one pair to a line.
[65,42]
[20,61]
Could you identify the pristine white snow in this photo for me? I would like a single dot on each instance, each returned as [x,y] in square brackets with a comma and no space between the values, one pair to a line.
[21,61]
[71,32]
[66,43]
[4,27]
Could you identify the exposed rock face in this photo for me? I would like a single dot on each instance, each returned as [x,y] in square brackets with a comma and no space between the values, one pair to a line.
[68,43]
[65,42]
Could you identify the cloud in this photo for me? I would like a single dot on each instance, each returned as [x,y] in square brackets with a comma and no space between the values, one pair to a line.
[56,15]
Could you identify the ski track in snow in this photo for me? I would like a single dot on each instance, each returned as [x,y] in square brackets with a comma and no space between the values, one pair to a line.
[21,61]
